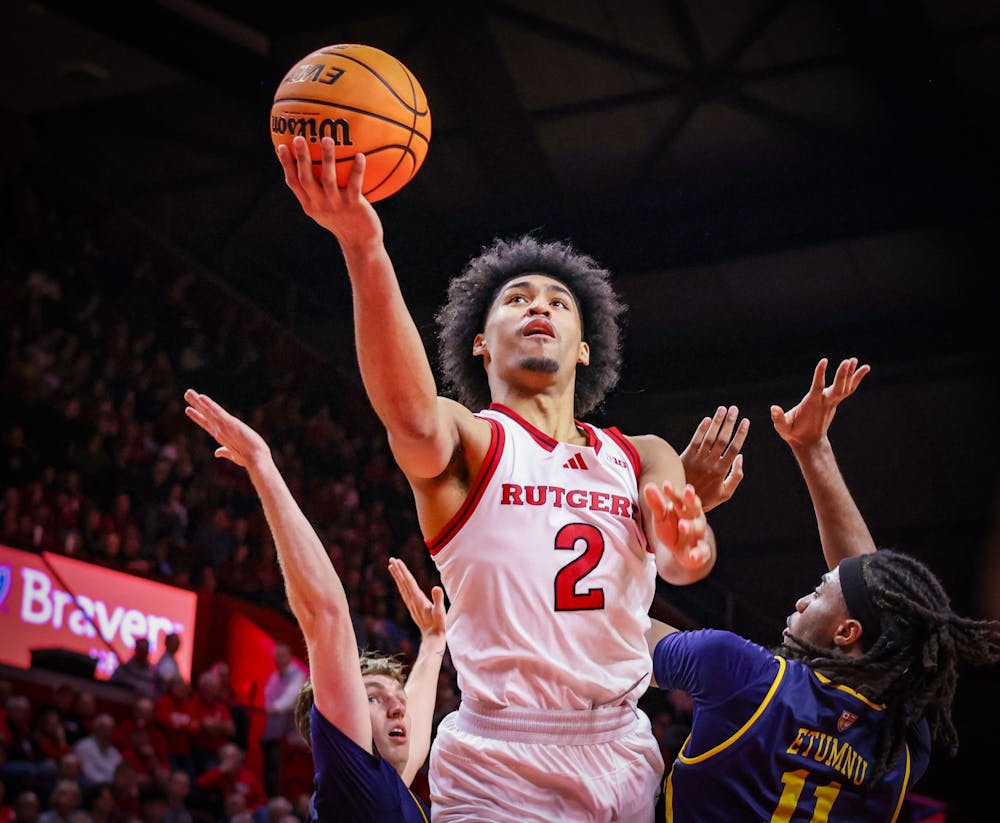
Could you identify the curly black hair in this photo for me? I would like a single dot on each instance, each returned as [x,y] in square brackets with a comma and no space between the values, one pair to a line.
[913,665]
[471,294]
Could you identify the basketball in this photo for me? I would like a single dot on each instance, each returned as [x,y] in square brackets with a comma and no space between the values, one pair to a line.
[368,102]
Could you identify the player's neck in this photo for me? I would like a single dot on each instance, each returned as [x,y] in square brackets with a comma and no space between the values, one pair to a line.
[550,414]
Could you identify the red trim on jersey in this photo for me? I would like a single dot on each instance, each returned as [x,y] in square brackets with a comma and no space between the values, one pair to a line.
[628,448]
[540,437]
[592,439]
[486,472]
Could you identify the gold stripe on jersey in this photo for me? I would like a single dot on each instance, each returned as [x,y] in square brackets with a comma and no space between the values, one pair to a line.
[745,727]
[906,782]
[827,682]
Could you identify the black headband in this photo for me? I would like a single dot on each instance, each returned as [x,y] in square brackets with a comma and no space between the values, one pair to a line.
[858,600]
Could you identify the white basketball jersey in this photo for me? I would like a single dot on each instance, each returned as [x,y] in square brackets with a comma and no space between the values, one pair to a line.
[548,571]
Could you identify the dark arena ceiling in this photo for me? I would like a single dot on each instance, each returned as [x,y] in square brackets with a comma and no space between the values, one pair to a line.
[770,181]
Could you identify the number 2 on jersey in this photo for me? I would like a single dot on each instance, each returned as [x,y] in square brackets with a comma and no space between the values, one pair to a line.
[567,597]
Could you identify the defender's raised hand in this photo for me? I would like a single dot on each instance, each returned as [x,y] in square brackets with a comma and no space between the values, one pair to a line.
[680,524]
[807,423]
[429,616]
[237,441]
[712,460]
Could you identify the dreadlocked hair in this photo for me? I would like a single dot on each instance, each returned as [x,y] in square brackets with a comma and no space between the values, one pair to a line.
[372,664]
[471,294]
[912,667]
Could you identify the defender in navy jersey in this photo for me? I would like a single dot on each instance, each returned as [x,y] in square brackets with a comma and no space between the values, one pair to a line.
[369,734]
[837,725]
[547,625]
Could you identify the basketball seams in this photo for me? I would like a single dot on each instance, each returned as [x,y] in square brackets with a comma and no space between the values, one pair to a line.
[381,79]
[407,149]
[330,104]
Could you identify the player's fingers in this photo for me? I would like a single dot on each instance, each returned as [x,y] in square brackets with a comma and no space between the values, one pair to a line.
[437,595]
[355,181]
[841,376]
[858,376]
[200,419]
[304,168]
[726,432]
[655,500]
[328,175]
[713,430]
[699,433]
[734,478]
[779,419]
[733,449]
[819,375]
[287,160]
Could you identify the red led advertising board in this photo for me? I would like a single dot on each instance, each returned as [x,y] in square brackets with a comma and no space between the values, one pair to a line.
[50,601]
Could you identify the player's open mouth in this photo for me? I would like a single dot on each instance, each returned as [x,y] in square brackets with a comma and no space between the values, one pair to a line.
[537,327]
[397,731]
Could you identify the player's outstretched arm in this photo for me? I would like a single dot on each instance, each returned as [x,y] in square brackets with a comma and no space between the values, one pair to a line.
[712,460]
[673,518]
[314,590]
[843,531]
[421,685]
[394,366]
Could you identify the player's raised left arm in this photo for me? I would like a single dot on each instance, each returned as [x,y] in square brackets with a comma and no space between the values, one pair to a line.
[672,515]
[421,685]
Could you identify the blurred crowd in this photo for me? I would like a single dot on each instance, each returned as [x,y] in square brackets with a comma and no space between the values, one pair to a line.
[98,462]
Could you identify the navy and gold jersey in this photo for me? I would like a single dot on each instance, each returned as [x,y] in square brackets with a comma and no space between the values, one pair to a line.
[352,785]
[773,740]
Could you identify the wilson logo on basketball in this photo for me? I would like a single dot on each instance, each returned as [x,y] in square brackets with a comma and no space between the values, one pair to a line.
[576,462]
[339,129]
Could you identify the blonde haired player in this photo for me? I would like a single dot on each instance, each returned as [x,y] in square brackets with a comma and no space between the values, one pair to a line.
[548,533]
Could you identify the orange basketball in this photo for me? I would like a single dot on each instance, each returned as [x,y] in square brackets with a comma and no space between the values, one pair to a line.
[368,102]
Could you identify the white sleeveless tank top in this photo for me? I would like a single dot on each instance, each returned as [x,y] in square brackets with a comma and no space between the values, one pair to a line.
[548,572]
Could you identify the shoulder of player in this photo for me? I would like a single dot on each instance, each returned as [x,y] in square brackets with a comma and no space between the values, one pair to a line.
[658,458]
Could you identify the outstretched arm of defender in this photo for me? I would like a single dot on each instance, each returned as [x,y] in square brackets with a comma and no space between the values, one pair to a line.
[394,366]
[843,531]
[314,590]
[421,685]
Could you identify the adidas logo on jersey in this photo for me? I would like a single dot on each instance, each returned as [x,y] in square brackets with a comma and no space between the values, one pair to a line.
[576,462]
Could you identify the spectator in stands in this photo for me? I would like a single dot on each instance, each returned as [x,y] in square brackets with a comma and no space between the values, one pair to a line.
[125,789]
[137,673]
[230,777]
[276,809]
[23,763]
[228,694]
[166,666]
[154,805]
[69,767]
[100,803]
[175,719]
[27,807]
[280,694]
[99,758]
[142,744]
[214,722]
[50,735]
[65,802]
[178,790]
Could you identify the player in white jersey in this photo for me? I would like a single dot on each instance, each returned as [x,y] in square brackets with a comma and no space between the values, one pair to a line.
[549,598]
